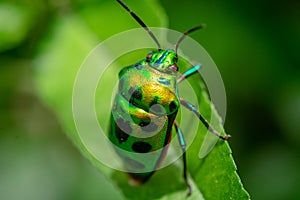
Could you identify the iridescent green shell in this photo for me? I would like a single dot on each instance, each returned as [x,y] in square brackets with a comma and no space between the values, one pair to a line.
[143,112]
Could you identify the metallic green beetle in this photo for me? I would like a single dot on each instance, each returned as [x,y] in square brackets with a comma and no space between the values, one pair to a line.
[145,109]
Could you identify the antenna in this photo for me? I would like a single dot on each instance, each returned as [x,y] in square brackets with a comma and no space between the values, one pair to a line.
[140,22]
[186,33]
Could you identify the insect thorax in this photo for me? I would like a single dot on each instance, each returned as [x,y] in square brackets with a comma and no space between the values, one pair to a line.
[149,88]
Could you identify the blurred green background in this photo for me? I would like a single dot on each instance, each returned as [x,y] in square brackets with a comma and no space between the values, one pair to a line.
[255,44]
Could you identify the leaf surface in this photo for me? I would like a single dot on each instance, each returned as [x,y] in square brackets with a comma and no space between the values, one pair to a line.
[61,53]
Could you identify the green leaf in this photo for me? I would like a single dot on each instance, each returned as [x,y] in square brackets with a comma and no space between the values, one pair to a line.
[17,20]
[71,38]
[15,23]
[217,171]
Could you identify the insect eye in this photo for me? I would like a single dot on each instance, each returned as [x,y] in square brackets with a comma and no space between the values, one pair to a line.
[148,57]
[174,68]
[135,95]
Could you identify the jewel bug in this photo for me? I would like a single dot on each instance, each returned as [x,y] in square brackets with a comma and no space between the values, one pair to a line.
[145,108]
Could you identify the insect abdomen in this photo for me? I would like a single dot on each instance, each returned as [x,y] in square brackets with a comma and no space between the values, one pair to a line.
[140,137]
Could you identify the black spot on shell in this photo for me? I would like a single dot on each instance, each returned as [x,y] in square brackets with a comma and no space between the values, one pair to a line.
[173,106]
[136,94]
[123,129]
[155,106]
[154,101]
[141,147]
[149,127]
[143,123]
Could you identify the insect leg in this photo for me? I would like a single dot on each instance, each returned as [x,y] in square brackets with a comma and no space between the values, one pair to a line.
[183,148]
[192,108]
[189,72]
